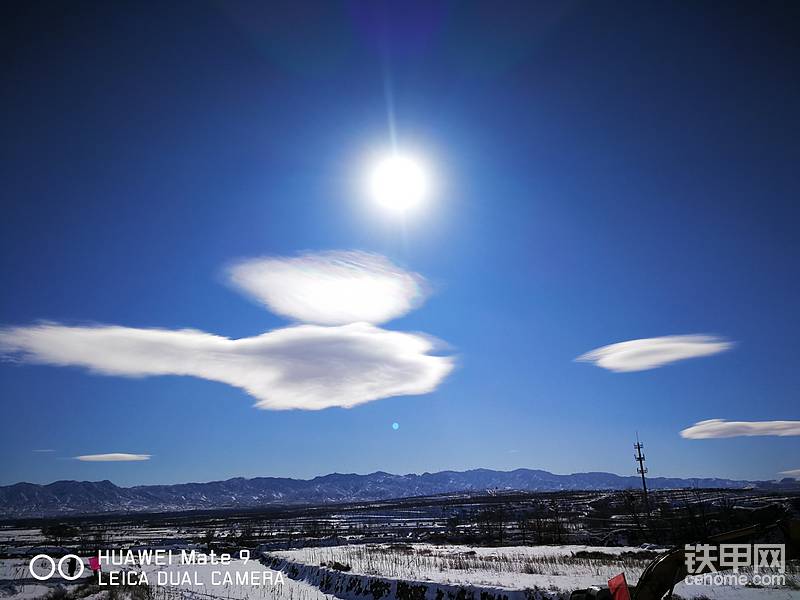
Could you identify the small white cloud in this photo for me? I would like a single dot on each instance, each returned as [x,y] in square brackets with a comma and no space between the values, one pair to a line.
[304,367]
[113,457]
[651,353]
[330,288]
[720,428]
[40,450]
[794,473]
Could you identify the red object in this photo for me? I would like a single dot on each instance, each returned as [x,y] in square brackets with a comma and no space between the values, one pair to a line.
[94,563]
[619,587]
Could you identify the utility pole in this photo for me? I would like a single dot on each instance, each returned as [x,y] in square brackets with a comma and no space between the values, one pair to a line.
[641,469]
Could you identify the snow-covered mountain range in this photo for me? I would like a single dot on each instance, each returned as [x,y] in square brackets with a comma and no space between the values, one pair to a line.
[85,497]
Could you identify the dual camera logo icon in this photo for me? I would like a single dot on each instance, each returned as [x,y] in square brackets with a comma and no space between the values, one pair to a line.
[59,567]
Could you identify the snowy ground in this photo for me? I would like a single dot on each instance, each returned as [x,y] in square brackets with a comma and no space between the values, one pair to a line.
[16,582]
[182,582]
[212,585]
[512,568]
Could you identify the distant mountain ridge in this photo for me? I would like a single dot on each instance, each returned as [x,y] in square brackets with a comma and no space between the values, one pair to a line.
[89,497]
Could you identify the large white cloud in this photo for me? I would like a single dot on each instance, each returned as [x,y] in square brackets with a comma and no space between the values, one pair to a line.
[113,457]
[720,428]
[330,288]
[651,353]
[794,473]
[306,366]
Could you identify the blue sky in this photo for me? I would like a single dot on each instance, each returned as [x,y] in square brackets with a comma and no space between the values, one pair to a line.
[607,173]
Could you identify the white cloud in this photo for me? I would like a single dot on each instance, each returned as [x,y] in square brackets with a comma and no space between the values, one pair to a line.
[330,288]
[651,353]
[112,457]
[339,358]
[720,428]
[794,473]
[305,367]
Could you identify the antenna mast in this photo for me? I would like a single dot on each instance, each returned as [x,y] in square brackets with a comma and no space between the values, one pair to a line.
[641,469]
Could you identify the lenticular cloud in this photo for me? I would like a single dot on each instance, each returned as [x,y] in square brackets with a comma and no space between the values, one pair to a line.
[651,353]
[720,428]
[332,288]
[113,457]
[339,358]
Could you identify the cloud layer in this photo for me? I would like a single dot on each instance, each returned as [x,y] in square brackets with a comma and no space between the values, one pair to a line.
[794,473]
[339,358]
[306,367]
[720,428]
[651,353]
[331,288]
[113,457]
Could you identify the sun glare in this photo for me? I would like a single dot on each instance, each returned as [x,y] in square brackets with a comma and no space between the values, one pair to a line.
[399,183]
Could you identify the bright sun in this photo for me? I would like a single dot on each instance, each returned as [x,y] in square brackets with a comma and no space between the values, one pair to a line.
[399,183]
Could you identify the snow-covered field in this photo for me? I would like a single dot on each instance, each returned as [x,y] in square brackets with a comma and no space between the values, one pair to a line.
[557,570]
[512,568]
[9,535]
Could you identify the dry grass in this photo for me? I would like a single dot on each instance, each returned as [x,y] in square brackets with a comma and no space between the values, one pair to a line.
[411,562]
